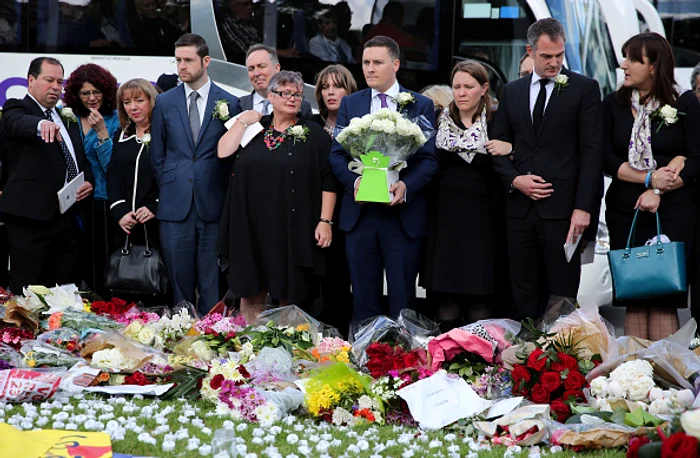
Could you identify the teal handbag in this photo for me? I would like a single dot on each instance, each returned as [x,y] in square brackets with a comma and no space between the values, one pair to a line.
[648,271]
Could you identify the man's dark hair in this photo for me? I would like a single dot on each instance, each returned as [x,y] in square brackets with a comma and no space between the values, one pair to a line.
[259,46]
[547,26]
[35,65]
[381,41]
[192,39]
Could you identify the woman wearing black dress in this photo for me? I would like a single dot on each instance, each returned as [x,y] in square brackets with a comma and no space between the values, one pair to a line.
[278,211]
[653,157]
[332,84]
[462,247]
[131,186]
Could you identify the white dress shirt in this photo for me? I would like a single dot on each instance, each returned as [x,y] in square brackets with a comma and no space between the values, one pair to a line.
[391,93]
[201,101]
[535,90]
[56,118]
[259,103]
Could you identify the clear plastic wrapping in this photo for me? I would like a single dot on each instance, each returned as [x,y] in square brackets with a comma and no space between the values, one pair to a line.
[293,316]
[379,329]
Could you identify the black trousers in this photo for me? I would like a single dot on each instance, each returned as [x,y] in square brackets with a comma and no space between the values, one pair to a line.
[538,267]
[97,242]
[42,252]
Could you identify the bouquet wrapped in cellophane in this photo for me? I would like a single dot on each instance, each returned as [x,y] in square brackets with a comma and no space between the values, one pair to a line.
[380,143]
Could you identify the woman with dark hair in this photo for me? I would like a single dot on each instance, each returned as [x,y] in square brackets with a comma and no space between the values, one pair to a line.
[277,217]
[462,247]
[91,92]
[653,156]
[332,84]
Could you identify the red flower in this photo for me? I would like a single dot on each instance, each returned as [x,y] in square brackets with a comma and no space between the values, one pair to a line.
[410,359]
[519,373]
[539,394]
[243,371]
[635,444]
[560,410]
[99,307]
[550,381]
[118,303]
[137,378]
[575,380]
[537,360]
[216,382]
[565,362]
[230,335]
[679,444]
[578,394]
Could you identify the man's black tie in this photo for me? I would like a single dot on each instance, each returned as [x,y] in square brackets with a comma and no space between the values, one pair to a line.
[538,111]
[70,163]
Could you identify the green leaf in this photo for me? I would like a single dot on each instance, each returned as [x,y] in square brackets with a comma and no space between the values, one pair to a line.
[618,417]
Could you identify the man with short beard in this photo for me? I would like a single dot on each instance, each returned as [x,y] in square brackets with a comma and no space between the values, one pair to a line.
[192,181]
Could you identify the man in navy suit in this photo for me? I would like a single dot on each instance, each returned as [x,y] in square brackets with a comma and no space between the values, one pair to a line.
[185,134]
[384,237]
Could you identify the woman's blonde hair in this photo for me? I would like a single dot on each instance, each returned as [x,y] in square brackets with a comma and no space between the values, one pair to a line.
[135,86]
[440,94]
[342,77]
[479,73]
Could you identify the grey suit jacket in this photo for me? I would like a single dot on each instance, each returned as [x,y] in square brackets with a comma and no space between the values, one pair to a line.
[247,104]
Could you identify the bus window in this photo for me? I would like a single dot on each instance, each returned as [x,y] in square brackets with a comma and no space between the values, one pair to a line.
[588,47]
[130,27]
[493,32]
[240,24]
[681,21]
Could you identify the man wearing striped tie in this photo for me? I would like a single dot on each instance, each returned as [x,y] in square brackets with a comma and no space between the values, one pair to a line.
[384,238]
[41,152]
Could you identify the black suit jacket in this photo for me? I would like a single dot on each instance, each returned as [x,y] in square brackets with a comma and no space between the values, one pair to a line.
[567,152]
[35,171]
[247,104]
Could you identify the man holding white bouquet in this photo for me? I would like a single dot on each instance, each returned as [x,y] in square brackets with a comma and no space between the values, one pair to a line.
[385,237]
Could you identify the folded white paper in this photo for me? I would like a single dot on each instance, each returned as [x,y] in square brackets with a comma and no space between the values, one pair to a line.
[249,133]
[68,194]
[503,407]
[148,390]
[570,248]
[440,400]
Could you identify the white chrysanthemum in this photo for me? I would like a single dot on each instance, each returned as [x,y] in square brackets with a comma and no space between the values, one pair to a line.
[628,373]
[661,406]
[296,130]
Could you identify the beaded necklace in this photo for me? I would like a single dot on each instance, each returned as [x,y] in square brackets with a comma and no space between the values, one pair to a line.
[273,143]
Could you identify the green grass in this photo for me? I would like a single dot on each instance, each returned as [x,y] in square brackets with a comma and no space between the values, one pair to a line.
[311,431]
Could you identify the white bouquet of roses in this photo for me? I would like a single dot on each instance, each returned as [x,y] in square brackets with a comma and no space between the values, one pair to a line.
[380,143]
[633,381]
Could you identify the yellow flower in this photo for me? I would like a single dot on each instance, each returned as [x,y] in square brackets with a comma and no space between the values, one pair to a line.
[87,307]
[325,398]
[304,327]
[31,363]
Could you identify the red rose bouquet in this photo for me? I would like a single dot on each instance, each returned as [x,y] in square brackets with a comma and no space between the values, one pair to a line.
[15,336]
[113,308]
[554,373]
[383,359]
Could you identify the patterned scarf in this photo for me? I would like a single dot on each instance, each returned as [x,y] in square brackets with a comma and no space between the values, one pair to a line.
[465,142]
[640,156]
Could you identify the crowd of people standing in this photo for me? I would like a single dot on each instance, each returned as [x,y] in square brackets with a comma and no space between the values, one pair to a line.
[480,215]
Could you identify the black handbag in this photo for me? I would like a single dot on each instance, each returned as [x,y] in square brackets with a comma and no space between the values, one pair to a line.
[136,269]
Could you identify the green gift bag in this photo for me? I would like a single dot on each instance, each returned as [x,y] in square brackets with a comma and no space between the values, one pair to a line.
[374,186]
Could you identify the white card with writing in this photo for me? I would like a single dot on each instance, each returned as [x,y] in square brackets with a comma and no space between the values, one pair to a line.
[249,133]
[440,400]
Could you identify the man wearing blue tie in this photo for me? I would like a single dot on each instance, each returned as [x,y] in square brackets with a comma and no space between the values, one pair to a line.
[384,238]
[185,134]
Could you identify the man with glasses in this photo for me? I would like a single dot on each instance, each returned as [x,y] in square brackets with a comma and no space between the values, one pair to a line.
[262,62]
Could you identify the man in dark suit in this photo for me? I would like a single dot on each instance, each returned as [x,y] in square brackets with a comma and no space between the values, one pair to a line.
[185,133]
[380,237]
[42,152]
[553,118]
[262,62]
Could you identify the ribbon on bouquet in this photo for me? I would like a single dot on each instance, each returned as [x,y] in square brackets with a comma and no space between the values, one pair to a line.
[376,176]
